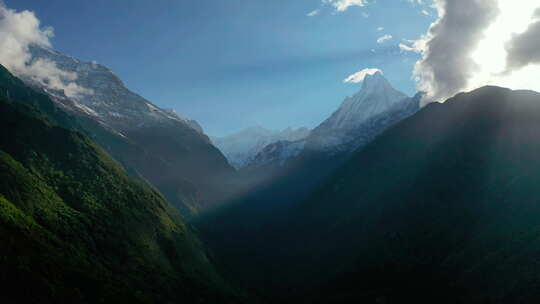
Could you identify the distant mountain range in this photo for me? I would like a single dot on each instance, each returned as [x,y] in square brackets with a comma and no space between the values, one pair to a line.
[358,120]
[242,147]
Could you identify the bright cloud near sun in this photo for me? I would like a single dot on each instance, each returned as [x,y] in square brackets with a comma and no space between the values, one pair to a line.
[360,75]
[492,53]
[474,43]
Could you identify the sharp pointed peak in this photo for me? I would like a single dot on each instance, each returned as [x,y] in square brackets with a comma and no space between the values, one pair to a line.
[376,74]
[374,80]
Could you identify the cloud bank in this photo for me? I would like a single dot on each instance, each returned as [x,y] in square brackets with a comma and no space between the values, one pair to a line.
[360,75]
[524,48]
[19,31]
[447,48]
[474,43]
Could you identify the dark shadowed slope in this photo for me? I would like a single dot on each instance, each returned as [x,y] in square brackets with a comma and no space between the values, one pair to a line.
[76,229]
[247,233]
[444,207]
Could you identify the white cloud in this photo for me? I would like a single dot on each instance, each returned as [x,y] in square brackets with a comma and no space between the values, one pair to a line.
[313,13]
[340,6]
[407,48]
[498,46]
[524,48]
[19,31]
[343,5]
[497,52]
[380,28]
[447,64]
[384,38]
[360,75]
[417,46]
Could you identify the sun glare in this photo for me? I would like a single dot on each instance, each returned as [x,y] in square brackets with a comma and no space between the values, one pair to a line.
[491,54]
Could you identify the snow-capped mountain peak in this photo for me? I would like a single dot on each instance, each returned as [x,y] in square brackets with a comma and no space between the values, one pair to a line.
[376,82]
[109,100]
[376,96]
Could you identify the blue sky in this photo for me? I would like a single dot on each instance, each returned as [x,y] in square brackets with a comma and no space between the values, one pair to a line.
[238,63]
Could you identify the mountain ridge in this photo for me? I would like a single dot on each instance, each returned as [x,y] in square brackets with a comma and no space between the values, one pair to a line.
[426,203]
[241,148]
[157,146]
[358,119]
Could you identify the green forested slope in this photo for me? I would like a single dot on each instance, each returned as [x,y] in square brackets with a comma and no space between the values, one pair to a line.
[75,228]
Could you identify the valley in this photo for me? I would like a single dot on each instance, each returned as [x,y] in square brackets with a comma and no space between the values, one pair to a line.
[243,176]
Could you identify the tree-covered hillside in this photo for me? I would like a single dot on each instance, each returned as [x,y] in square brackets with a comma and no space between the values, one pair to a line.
[76,229]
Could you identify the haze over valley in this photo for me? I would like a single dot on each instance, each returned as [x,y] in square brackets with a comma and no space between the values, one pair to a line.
[318,151]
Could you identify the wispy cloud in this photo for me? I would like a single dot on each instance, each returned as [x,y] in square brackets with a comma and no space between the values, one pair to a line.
[407,48]
[18,32]
[417,46]
[343,5]
[384,38]
[313,13]
[340,6]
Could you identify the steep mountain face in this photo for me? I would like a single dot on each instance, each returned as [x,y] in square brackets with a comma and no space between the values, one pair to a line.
[155,145]
[109,101]
[241,148]
[360,118]
[339,132]
[441,208]
[76,229]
